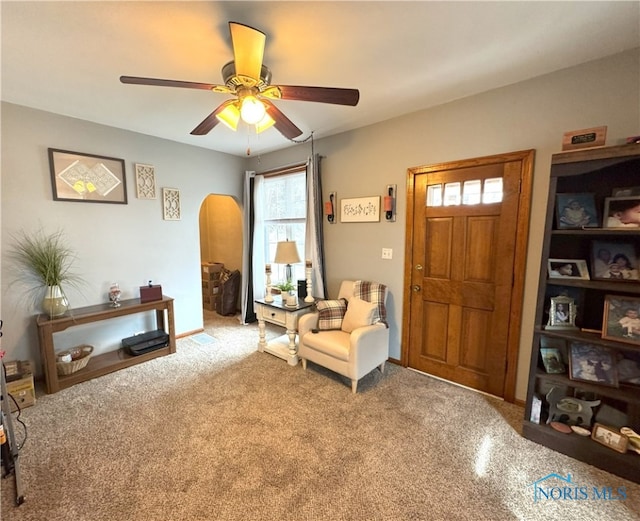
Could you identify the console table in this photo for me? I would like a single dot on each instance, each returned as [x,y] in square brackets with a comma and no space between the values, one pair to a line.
[286,316]
[104,363]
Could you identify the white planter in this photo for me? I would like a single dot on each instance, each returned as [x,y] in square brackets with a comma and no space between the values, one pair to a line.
[54,303]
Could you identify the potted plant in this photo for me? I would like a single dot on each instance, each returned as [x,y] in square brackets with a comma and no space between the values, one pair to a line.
[287,289]
[43,265]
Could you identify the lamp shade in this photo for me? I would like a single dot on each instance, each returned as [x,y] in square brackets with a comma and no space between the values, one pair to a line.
[287,253]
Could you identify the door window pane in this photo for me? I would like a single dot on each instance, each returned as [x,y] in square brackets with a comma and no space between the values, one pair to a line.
[492,190]
[471,192]
[451,194]
[434,195]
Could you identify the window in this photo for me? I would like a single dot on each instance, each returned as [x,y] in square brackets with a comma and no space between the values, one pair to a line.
[472,193]
[285,203]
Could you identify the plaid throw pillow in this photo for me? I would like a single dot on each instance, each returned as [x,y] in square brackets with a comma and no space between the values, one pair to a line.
[331,313]
[373,292]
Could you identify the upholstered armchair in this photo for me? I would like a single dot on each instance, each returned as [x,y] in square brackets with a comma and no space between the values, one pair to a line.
[349,335]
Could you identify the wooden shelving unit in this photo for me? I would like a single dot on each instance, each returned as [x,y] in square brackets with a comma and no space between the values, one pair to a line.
[108,362]
[596,171]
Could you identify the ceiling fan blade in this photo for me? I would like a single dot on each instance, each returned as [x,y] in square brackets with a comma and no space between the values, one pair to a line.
[135,80]
[210,121]
[248,52]
[283,124]
[332,95]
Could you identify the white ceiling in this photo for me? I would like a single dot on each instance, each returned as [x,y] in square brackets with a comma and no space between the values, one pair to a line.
[67,57]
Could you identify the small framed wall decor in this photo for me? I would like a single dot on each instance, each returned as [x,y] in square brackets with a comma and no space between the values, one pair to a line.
[568,268]
[360,210]
[145,181]
[621,319]
[87,178]
[584,138]
[622,212]
[171,204]
[576,211]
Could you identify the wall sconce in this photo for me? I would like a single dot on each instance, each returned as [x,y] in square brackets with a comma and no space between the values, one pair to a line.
[389,200]
[330,208]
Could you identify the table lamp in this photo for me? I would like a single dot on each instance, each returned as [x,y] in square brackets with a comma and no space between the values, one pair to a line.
[287,253]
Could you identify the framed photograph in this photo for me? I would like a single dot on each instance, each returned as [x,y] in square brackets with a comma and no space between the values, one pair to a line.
[614,260]
[591,363]
[627,191]
[87,178]
[629,368]
[622,212]
[552,360]
[360,210]
[576,211]
[621,319]
[609,437]
[562,313]
[568,268]
[576,294]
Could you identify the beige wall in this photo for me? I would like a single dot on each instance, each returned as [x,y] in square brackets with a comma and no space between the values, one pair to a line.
[528,115]
[221,231]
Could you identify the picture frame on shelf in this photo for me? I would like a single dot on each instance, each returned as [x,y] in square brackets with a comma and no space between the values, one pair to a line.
[552,360]
[577,294]
[609,437]
[87,178]
[621,319]
[562,313]
[576,211]
[621,212]
[568,268]
[629,368]
[614,260]
[592,363]
[627,191]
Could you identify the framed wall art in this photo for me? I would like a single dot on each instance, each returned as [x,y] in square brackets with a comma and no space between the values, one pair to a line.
[622,212]
[621,319]
[360,210]
[614,260]
[87,178]
[576,211]
[145,181]
[171,204]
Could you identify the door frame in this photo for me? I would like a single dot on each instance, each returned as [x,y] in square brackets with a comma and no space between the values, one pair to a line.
[519,261]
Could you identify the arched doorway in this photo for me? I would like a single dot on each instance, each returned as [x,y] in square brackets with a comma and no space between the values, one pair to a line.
[220,236]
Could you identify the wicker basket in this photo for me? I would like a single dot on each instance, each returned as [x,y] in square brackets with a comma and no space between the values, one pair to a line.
[80,356]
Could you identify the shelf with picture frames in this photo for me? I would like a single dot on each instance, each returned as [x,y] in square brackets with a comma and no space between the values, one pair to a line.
[585,355]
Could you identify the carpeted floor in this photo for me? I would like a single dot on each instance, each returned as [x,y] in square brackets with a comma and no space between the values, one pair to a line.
[219,431]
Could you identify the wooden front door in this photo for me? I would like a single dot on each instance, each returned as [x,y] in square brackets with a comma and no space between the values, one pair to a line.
[466,253]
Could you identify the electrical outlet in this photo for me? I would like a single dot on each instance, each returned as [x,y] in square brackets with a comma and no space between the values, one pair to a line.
[387,253]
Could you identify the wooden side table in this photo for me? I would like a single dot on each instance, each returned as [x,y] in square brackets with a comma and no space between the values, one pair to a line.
[276,312]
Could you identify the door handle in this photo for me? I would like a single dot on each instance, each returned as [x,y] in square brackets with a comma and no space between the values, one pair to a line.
[416,288]
[419,267]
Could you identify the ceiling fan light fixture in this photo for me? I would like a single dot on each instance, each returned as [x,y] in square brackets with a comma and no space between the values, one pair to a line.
[230,116]
[252,110]
[265,123]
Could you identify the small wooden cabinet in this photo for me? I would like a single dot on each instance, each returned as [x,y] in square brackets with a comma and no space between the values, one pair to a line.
[108,362]
[598,172]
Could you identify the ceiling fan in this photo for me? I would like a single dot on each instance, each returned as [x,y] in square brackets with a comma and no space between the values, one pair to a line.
[249,80]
